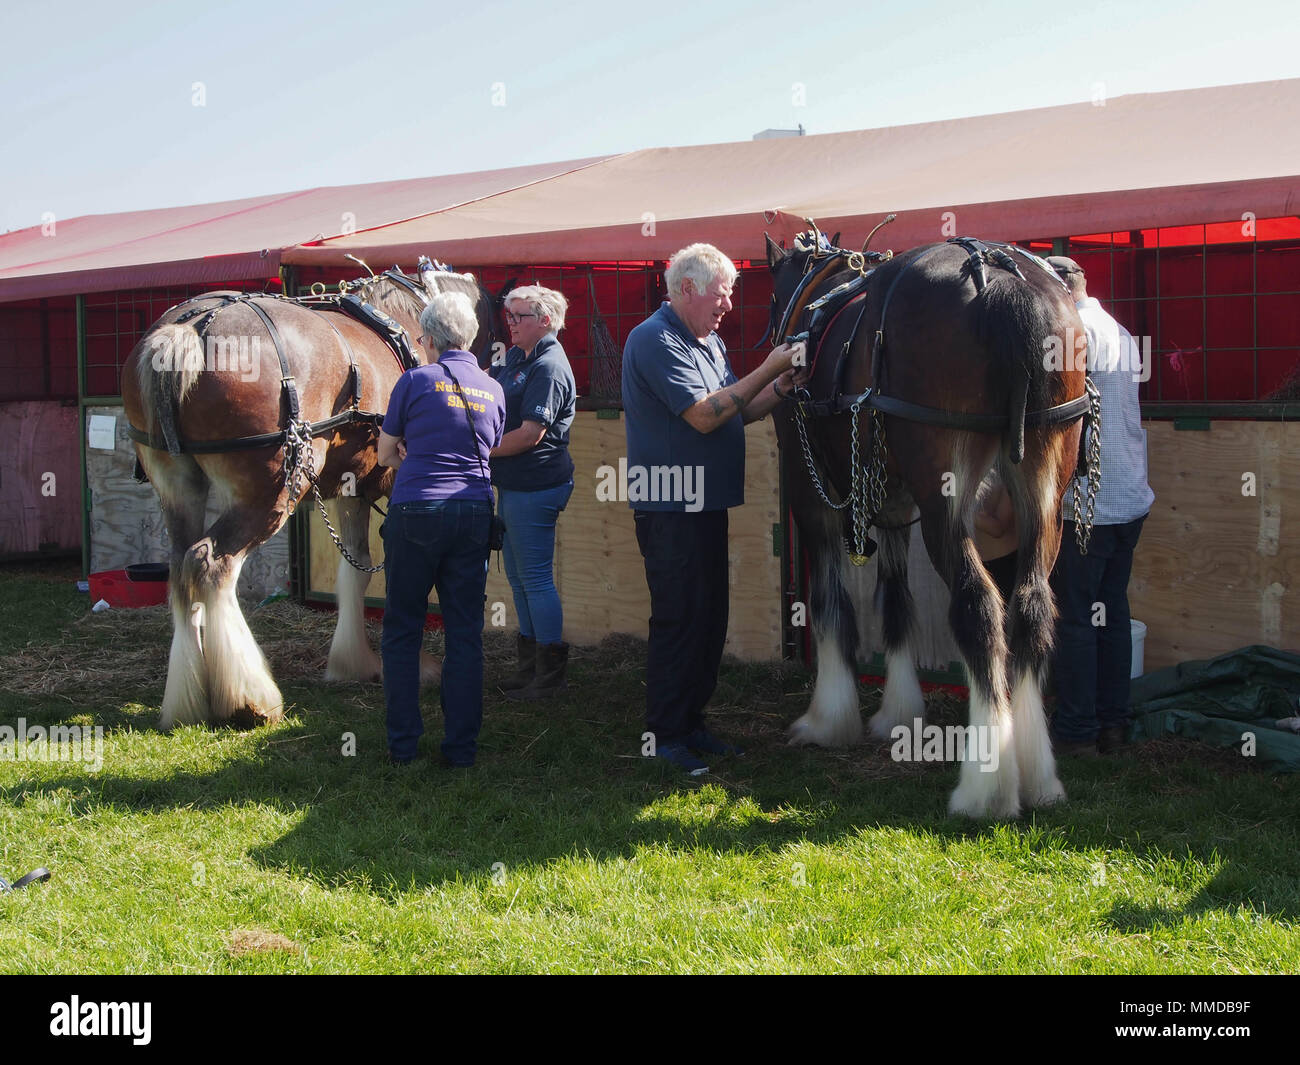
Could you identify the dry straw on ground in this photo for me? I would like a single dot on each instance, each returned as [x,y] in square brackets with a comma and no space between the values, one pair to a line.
[255,941]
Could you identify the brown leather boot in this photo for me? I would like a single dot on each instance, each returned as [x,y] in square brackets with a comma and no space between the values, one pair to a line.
[552,662]
[523,676]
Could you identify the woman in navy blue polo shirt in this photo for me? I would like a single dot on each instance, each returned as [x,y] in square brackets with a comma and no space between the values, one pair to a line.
[448,415]
[533,473]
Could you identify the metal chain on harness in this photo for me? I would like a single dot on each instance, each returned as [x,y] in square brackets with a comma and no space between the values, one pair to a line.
[1082,519]
[338,541]
[297,448]
[865,499]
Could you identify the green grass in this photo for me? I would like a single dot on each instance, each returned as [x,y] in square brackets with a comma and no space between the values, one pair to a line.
[1170,859]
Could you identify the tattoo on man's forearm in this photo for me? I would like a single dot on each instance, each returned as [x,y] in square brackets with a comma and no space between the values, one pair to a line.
[717,406]
[739,401]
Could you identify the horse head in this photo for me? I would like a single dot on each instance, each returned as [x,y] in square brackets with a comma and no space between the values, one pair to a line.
[793,271]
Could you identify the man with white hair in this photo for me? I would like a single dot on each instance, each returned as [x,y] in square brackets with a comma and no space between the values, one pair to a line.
[686,412]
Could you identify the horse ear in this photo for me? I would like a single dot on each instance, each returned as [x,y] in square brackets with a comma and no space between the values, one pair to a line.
[499,300]
[835,240]
[774,252]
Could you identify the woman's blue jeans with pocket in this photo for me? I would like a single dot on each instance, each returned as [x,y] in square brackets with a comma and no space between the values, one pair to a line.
[428,545]
[529,552]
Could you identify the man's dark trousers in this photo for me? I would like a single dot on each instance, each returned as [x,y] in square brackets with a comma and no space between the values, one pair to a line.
[686,569]
[1093,661]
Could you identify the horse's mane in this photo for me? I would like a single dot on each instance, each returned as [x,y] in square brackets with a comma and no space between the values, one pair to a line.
[391,297]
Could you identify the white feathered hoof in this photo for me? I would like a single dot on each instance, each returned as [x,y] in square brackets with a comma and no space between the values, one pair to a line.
[1047,794]
[902,702]
[880,729]
[821,731]
[430,669]
[981,794]
[353,666]
[974,800]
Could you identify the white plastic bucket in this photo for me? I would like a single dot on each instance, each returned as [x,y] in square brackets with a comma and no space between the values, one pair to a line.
[1138,633]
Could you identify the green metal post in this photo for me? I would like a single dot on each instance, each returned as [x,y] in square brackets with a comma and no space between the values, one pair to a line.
[81,422]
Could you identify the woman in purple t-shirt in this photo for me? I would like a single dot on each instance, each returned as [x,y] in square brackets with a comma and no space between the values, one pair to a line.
[442,422]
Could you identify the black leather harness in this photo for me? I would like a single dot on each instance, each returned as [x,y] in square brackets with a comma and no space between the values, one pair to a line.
[822,313]
[388,330]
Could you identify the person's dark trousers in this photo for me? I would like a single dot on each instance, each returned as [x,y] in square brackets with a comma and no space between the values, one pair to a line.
[686,568]
[440,545]
[1093,660]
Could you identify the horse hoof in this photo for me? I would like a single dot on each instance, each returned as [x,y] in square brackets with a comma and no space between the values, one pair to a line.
[982,805]
[810,731]
[248,717]
[1049,795]
[882,730]
[430,669]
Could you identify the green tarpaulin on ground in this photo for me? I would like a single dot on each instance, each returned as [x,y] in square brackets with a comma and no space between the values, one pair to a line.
[1220,700]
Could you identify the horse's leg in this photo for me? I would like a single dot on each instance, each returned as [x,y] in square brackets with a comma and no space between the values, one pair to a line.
[833,718]
[985,788]
[240,689]
[351,656]
[1033,486]
[903,702]
[182,490]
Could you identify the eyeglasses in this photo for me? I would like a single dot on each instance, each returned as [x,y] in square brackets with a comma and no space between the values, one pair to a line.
[514,319]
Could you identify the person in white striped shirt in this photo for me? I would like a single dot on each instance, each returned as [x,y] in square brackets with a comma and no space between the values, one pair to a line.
[1094,651]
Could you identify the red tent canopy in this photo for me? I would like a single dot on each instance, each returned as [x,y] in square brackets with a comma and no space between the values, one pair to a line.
[1163,159]
[1131,162]
[225,241]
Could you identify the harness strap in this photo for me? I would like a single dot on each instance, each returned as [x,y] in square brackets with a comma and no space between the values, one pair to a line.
[250,443]
[389,331]
[354,371]
[914,412]
[988,423]
[287,385]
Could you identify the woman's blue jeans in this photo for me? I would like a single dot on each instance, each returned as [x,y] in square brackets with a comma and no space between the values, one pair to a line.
[530,519]
[443,545]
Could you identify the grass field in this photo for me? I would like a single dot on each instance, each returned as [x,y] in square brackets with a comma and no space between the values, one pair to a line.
[564,851]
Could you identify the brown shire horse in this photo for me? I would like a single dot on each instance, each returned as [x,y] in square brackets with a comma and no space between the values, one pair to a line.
[209,372]
[950,345]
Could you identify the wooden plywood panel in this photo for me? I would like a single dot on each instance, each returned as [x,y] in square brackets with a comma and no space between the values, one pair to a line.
[39,477]
[1218,568]
[126,522]
[599,572]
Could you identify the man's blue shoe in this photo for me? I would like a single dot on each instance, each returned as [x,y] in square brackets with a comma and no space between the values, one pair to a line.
[680,757]
[705,741]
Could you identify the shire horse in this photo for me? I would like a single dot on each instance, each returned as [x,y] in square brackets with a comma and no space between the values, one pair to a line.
[253,399]
[941,335]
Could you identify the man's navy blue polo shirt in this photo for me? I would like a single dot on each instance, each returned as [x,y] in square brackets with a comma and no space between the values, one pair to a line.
[538,388]
[666,370]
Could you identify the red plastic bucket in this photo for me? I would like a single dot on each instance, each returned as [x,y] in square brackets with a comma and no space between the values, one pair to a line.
[116,589]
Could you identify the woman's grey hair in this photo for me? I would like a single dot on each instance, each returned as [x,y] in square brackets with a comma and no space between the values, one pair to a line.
[449,321]
[544,302]
[701,264]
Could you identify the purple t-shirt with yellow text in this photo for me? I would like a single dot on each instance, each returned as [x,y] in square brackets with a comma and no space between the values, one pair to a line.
[442,460]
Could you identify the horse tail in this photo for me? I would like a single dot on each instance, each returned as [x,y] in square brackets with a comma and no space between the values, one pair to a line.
[169,364]
[1016,325]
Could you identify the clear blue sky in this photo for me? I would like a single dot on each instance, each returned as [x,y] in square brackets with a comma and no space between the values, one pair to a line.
[99,95]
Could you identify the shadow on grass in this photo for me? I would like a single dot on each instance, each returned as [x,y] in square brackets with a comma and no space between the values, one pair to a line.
[564,779]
